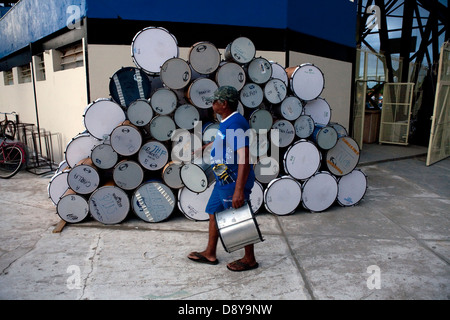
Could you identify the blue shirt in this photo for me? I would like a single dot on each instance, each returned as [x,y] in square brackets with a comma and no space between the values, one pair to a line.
[233,134]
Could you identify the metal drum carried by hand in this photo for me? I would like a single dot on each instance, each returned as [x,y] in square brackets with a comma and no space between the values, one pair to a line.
[153,201]
[109,204]
[84,177]
[204,57]
[319,192]
[129,84]
[102,116]
[302,160]
[351,188]
[175,73]
[306,81]
[240,50]
[153,46]
[282,196]
[238,228]
[197,177]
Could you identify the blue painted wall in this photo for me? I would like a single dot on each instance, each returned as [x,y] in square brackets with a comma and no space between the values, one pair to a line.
[31,20]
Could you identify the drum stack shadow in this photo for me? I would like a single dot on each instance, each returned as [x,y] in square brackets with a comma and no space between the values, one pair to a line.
[135,155]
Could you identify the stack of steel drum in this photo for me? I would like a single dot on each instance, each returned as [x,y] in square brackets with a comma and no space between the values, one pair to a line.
[136,154]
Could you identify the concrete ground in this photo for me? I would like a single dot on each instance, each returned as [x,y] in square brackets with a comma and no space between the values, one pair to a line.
[395,244]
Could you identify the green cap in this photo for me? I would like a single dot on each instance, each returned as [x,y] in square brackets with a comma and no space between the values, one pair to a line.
[225,93]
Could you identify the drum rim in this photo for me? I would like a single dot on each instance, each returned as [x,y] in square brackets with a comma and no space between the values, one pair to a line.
[133,198]
[127,202]
[78,196]
[274,181]
[290,148]
[78,167]
[140,32]
[202,172]
[364,193]
[207,43]
[308,180]
[304,65]
[180,191]
[184,62]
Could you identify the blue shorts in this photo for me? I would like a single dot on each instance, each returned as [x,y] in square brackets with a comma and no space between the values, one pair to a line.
[222,198]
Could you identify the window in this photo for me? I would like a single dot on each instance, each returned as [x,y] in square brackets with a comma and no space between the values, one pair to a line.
[70,57]
[40,67]
[24,73]
[8,78]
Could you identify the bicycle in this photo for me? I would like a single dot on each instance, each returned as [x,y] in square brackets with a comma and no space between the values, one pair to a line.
[12,157]
[8,127]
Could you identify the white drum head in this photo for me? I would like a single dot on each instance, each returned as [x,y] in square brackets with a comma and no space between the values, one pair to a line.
[302,160]
[151,47]
[164,101]
[175,73]
[186,116]
[251,95]
[57,186]
[104,157]
[204,57]
[307,82]
[304,126]
[257,197]
[259,70]
[128,175]
[343,157]
[319,192]
[275,91]
[199,90]
[162,128]
[286,133]
[83,179]
[282,196]
[126,140]
[278,72]
[261,120]
[325,137]
[319,110]
[79,148]
[266,169]
[184,143]
[351,188]
[193,204]
[140,113]
[153,201]
[101,117]
[231,74]
[241,50]
[72,208]
[197,178]
[153,155]
[291,108]
[171,175]
[109,205]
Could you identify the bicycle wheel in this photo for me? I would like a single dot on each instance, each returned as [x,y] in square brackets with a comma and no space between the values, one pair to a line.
[9,129]
[11,159]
